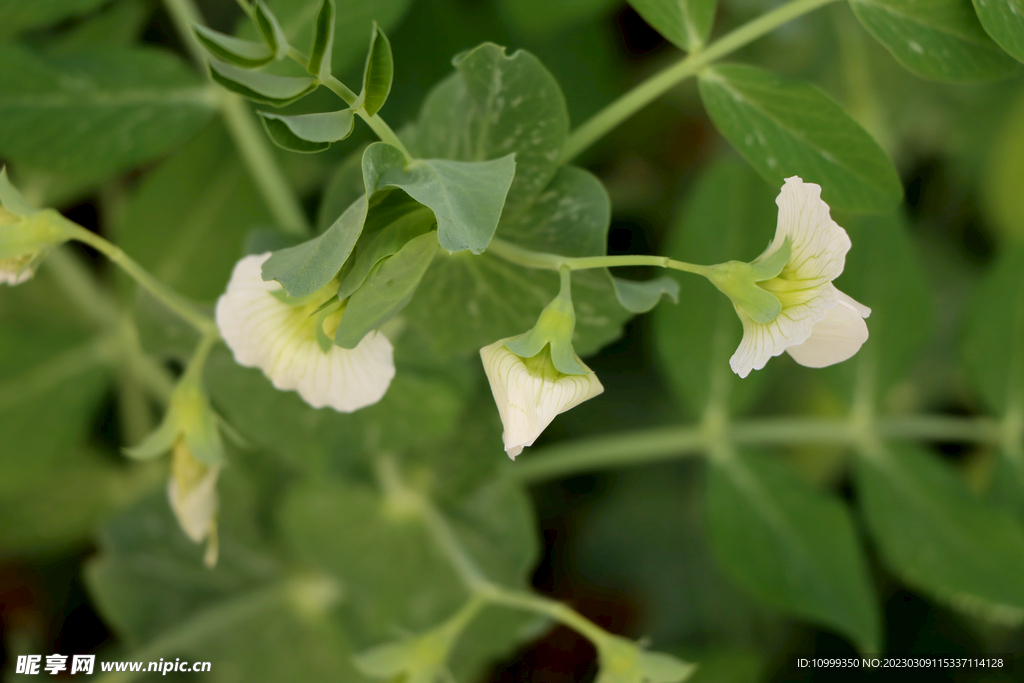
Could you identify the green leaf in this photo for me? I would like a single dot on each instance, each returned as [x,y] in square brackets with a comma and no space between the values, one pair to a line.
[98,112]
[308,132]
[784,127]
[378,73]
[466,197]
[18,15]
[386,291]
[323,41]
[188,219]
[150,584]
[939,538]
[306,267]
[1004,21]
[729,214]
[791,546]
[270,29]
[937,39]
[277,91]
[353,20]
[119,25]
[492,106]
[230,50]
[685,23]
[685,593]
[484,298]
[642,296]
[994,341]
[398,576]
[884,272]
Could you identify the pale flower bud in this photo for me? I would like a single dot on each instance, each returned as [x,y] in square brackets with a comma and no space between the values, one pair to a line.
[192,491]
[530,392]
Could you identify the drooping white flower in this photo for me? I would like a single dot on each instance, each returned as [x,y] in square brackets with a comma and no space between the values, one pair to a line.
[818,325]
[192,490]
[530,392]
[280,338]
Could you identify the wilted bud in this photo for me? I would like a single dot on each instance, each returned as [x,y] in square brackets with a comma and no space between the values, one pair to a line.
[192,491]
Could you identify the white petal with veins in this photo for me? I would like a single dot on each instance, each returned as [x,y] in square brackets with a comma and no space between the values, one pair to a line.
[530,393]
[836,338]
[280,339]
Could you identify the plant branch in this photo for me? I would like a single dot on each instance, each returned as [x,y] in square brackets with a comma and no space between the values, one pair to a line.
[249,139]
[656,86]
[174,301]
[666,443]
[536,259]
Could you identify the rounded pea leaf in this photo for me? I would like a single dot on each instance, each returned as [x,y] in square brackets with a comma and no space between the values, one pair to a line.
[308,133]
[1004,21]
[231,50]
[271,30]
[277,91]
[379,72]
[791,546]
[784,127]
[493,105]
[937,39]
[684,23]
[938,537]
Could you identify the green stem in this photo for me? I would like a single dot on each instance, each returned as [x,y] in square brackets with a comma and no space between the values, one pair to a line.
[174,301]
[655,86]
[666,443]
[558,611]
[245,131]
[535,259]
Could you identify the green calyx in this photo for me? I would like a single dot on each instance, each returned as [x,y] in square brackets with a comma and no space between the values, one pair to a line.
[739,281]
[189,419]
[554,328]
[25,231]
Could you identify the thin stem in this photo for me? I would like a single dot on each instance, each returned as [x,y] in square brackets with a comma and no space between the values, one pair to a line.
[558,611]
[655,86]
[535,259]
[174,301]
[666,443]
[249,139]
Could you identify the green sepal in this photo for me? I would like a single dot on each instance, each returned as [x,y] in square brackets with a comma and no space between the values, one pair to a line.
[327,308]
[323,42]
[230,50]
[271,30]
[766,269]
[738,281]
[308,133]
[623,661]
[376,246]
[305,268]
[33,234]
[642,296]
[554,327]
[378,73]
[277,91]
[159,441]
[12,199]
[387,290]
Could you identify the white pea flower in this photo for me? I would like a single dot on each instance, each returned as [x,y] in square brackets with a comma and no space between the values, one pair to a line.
[817,324]
[192,490]
[530,392]
[265,332]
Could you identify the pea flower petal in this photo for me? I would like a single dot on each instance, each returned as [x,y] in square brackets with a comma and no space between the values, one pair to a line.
[279,338]
[818,324]
[531,392]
